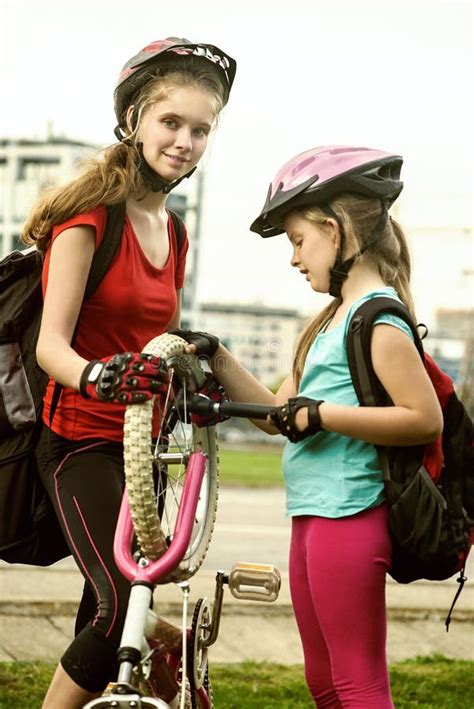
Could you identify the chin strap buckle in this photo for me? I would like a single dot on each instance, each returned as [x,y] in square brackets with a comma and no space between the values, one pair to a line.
[336,280]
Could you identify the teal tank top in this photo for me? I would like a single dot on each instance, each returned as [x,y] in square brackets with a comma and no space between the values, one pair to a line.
[328,474]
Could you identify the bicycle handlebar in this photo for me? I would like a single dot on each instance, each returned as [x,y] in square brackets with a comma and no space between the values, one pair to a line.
[242,410]
[199,404]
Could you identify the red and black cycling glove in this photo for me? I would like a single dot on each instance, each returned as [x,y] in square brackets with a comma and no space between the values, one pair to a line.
[212,390]
[129,378]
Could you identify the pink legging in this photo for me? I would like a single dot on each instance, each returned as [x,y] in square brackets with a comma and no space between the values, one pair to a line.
[337,582]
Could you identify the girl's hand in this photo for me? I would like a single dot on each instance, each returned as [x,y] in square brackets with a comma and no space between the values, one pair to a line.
[129,378]
[301,420]
[204,343]
[298,418]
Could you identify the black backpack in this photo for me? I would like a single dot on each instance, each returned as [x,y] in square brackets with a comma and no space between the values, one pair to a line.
[29,530]
[429,488]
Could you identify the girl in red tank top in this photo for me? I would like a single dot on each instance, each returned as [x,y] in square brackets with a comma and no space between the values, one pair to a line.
[166,102]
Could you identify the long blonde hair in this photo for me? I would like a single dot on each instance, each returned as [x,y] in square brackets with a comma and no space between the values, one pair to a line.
[112,175]
[389,254]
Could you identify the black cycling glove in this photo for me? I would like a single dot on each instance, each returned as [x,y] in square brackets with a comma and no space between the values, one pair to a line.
[206,344]
[284,418]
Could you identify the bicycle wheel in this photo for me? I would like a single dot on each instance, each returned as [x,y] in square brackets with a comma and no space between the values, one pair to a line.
[155,478]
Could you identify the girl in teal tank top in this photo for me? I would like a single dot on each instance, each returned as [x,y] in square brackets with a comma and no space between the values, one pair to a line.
[328,474]
[333,204]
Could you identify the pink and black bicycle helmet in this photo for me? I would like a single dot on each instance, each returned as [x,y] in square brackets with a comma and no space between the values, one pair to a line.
[320,174]
[317,176]
[169,51]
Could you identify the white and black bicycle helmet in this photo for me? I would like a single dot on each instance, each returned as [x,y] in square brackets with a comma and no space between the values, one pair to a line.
[170,52]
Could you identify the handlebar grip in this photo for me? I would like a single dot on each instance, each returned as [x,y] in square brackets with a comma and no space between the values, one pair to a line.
[242,410]
[206,407]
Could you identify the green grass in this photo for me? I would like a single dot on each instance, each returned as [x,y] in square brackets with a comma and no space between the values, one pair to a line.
[432,683]
[426,682]
[259,468]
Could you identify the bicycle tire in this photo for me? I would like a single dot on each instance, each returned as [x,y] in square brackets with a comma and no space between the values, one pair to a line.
[154,531]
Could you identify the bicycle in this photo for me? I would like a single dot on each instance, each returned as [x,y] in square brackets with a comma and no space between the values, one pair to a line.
[169,508]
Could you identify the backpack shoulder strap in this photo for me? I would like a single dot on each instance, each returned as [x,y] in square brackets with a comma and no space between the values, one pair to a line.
[104,255]
[358,341]
[101,261]
[179,229]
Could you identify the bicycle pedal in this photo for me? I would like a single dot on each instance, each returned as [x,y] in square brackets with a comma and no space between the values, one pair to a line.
[110,689]
[255,582]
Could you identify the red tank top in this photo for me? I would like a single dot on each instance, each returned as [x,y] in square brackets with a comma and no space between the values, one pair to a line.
[134,303]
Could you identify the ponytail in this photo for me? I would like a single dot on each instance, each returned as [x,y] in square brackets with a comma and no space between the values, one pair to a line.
[105,180]
[401,282]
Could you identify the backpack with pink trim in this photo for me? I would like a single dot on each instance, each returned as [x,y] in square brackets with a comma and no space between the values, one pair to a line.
[29,530]
[429,488]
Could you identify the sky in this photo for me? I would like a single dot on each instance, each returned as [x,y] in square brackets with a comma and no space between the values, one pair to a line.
[391,75]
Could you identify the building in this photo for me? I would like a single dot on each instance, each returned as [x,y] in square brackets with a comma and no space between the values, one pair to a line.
[27,167]
[451,343]
[261,337]
[439,231]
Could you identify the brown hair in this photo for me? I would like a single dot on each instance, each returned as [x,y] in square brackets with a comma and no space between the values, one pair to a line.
[112,176]
[389,254]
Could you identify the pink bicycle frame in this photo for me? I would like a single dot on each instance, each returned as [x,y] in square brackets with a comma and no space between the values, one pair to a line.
[158,570]
[143,579]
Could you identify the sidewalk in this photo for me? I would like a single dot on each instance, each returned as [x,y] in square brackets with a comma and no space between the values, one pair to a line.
[37,608]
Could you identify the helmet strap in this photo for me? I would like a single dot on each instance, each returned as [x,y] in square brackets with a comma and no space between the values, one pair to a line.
[340,270]
[120,135]
[152,179]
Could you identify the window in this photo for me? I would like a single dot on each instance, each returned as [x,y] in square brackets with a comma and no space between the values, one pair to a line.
[36,169]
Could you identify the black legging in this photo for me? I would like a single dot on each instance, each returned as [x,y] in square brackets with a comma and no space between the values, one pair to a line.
[85,481]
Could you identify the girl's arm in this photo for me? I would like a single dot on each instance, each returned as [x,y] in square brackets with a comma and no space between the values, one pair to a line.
[415,416]
[240,384]
[70,261]
[286,391]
